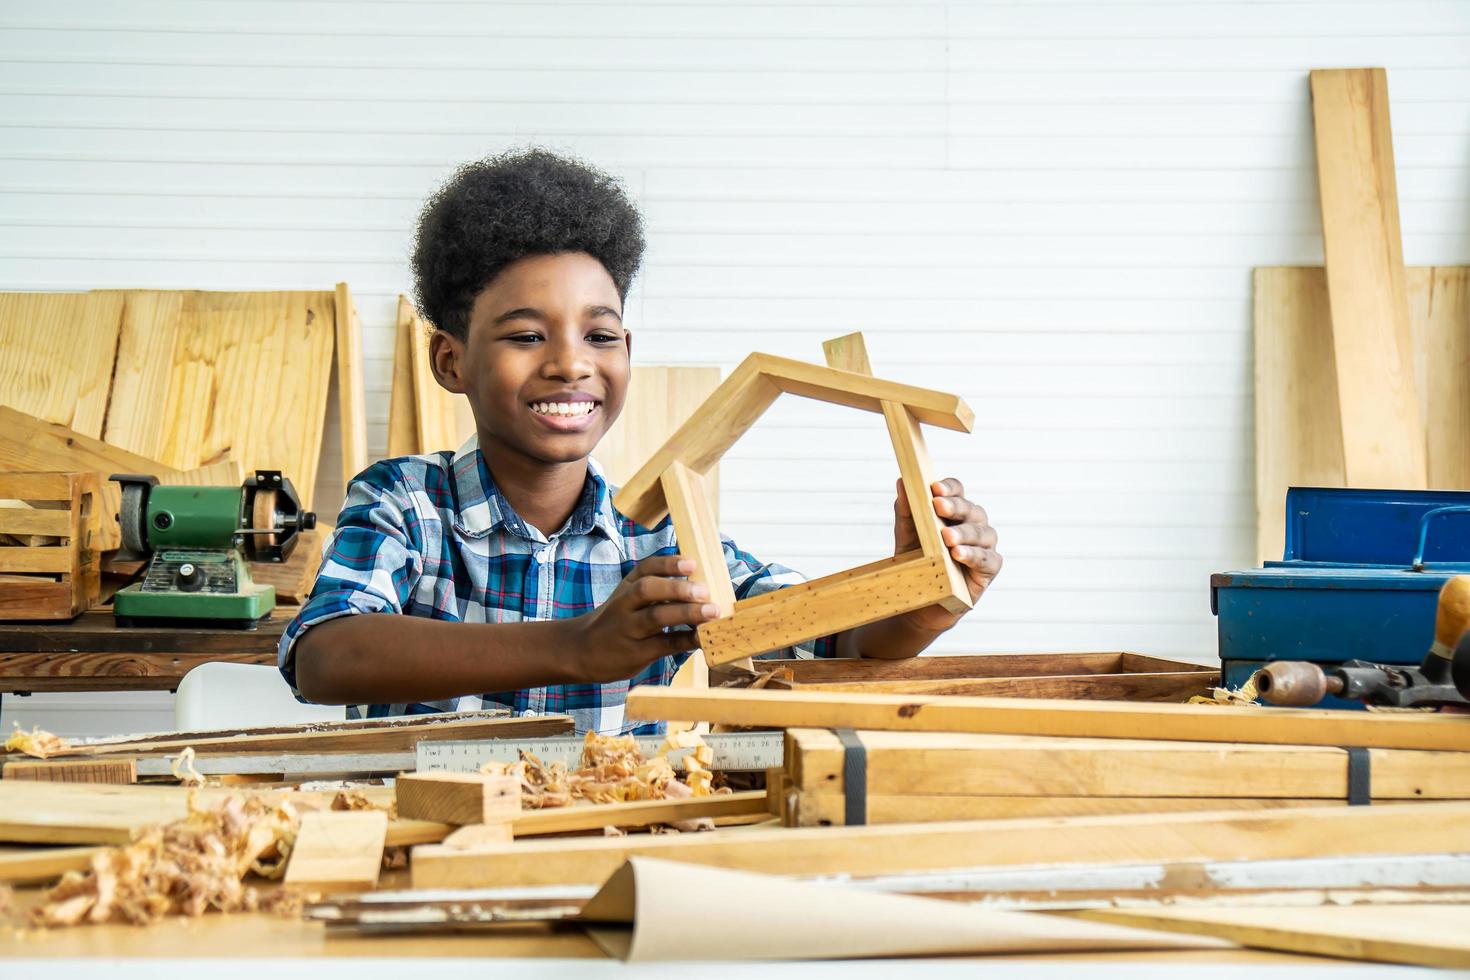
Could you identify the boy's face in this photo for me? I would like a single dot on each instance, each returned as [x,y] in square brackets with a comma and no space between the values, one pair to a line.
[545,360]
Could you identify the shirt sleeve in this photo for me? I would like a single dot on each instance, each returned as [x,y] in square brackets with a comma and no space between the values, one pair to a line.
[371,563]
[752,577]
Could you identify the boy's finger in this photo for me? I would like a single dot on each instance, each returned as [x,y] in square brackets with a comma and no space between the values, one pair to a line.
[900,500]
[980,535]
[958,510]
[657,588]
[986,561]
[662,565]
[655,618]
[947,487]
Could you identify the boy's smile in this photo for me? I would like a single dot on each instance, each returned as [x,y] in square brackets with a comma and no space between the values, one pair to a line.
[544,362]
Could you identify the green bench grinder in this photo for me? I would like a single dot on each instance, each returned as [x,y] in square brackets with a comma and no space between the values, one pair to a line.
[197,542]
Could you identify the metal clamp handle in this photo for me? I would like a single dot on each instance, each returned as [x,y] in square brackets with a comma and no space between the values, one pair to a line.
[1424,529]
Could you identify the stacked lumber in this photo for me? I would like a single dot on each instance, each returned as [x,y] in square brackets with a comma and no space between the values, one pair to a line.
[49,568]
[920,777]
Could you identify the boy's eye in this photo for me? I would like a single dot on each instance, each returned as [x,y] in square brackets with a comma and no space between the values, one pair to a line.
[603,338]
[524,338]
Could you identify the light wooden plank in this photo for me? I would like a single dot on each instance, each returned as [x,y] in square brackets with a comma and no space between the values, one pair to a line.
[822,607]
[351,395]
[457,797]
[917,473]
[1077,719]
[1169,686]
[642,813]
[1382,425]
[338,850]
[45,864]
[688,501]
[114,771]
[1423,935]
[22,559]
[219,403]
[443,418]
[30,520]
[403,429]
[1439,319]
[826,384]
[35,486]
[144,369]
[950,764]
[56,356]
[1418,828]
[848,353]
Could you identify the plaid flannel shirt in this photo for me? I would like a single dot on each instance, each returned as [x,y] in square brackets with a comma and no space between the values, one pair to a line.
[432,536]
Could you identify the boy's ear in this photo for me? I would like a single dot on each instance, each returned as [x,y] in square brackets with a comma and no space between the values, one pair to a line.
[445,353]
[628,341]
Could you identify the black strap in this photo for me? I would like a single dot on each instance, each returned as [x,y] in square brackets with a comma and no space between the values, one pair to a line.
[854,776]
[1360,776]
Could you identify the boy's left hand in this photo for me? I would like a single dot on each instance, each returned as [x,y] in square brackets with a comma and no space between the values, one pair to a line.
[971,542]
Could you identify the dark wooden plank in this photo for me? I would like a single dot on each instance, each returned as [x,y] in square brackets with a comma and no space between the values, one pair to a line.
[1164,686]
[96,631]
[938,668]
[46,672]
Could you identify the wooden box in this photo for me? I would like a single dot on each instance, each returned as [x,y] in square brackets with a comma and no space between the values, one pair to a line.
[48,567]
[1086,676]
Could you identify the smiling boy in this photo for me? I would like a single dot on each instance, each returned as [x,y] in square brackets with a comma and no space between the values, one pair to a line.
[514,573]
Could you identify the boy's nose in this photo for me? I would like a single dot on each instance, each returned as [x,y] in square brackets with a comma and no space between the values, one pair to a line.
[566,362]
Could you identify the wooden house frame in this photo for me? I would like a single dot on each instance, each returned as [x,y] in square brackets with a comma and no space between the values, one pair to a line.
[673,482]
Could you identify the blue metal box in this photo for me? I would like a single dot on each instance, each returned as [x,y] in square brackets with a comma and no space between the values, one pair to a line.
[1359,580]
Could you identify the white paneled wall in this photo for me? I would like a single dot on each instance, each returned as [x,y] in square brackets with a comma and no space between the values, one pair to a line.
[1051,208]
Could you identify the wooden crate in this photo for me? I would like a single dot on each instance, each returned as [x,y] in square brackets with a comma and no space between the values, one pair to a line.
[1109,676]
[48,566]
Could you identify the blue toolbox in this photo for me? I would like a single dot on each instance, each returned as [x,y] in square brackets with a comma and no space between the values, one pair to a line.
[1359,580]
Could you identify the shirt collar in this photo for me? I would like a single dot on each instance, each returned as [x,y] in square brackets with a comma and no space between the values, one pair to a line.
[482,507]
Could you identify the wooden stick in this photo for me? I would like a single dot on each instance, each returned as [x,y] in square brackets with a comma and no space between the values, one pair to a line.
[115,771]
[338,850]
[1420,828]
[1011,716]
[351,400]
[1174,685]
[457,797]
[45,863]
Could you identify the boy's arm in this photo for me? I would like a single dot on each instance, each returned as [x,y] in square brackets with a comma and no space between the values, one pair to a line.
[360,659]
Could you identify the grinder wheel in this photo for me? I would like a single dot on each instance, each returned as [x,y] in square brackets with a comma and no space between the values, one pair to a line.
[263,515]
[131,515]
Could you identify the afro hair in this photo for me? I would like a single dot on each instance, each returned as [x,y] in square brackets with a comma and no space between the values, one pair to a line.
[523,202]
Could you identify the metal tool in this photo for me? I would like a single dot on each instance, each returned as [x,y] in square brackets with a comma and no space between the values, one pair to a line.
[197,541]
[1441,680]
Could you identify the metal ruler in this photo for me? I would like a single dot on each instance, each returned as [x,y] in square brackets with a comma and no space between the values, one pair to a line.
[733,751]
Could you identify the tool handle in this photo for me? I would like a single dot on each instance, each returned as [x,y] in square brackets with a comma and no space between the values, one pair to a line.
[1453,617]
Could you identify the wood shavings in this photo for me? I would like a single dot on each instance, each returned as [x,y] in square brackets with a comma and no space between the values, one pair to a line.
[1245,695]
[184,771]
[35,743]
[353,799]
[182,868]
[612,770]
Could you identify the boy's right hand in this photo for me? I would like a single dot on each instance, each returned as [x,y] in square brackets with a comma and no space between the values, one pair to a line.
[626,633]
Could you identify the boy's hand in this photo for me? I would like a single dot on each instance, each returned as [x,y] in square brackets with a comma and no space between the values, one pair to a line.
[971,542]
[626,633]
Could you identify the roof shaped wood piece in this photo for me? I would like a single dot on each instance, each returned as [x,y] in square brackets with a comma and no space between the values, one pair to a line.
[672,482]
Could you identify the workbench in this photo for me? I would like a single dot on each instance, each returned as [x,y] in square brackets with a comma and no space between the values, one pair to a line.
[91,653]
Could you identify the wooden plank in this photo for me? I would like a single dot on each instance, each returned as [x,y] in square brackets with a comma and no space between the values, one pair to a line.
[444,419]
[848,353]
[351,397]
[403,426]
[1439,320]
[1423,935]
[1382,426]
[35,812]
[726,415]
[946,764]
[45,864]
[35,486]
[958,667]
[1298,432]
[688,500]
[216,403]
[917,473]
[830,809]
[1169,686]
[52,671]
[20,559]
[642,813]
[30,520]
[457,797]
[56,356]
[1077,719]
[1419,828]
[35,597]
[860,391]
[119,772]
[396,736]
[823,606]
[141,378]
[338,850]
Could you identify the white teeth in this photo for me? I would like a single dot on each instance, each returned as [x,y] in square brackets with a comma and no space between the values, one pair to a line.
[563,408]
